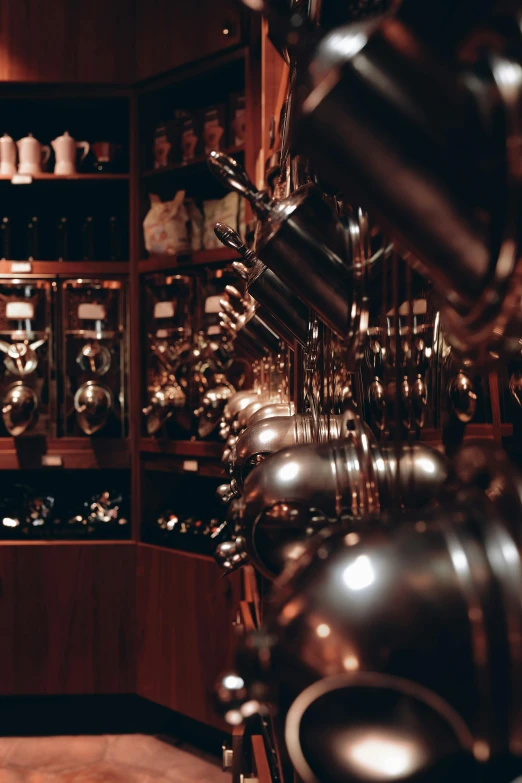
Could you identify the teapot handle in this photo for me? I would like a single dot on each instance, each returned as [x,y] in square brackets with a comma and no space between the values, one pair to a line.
[85,146]
[46,153]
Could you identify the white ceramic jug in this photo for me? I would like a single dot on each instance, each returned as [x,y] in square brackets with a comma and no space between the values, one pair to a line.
[7,155]
[65,151]
[31,155]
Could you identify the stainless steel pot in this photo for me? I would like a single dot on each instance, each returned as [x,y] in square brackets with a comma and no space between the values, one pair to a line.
[300,489]
[428,606]
[302,242]
[267,288]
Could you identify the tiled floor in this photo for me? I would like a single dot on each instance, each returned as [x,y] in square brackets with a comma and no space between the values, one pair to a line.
[133,758]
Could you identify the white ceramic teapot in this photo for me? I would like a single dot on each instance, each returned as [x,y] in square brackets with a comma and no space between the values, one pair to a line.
[65,151]
[7,155]
[31,155]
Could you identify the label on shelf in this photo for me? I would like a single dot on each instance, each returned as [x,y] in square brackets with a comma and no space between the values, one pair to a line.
[52,461]
[21,268]
[212,304]
[21,179]
[191,465]
[91,311]
[19,310]
[164,310]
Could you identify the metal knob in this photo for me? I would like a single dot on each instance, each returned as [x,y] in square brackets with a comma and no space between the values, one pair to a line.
[227,492]
[231,239]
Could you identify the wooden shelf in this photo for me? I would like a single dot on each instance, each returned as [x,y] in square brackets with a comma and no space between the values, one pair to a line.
[32,452]
[182,448]
[67,268]
[67,542]
[160,548]
[221,255]
[176,167]
[77,177]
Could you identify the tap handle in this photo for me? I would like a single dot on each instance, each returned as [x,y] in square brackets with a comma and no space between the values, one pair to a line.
[231,239]
[234,177]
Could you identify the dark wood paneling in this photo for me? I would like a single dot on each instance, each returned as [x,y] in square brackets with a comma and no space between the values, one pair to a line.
[170,34]
[66,41]
[185,637]
[67,614]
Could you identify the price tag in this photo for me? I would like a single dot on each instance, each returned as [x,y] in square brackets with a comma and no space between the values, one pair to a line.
[52,461]
[21,179]
[191,465]
[21,267]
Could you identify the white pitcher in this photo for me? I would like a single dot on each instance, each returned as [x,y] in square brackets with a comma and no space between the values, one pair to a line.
[7,155]
[31,155]
[65,151]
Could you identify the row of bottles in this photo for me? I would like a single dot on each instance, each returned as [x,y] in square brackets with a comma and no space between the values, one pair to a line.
[68,239]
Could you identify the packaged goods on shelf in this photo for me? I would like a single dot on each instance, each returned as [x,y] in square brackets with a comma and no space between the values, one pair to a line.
[165,226]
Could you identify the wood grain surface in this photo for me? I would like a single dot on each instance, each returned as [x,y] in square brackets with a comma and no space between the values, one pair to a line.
[185,638]
[67,619]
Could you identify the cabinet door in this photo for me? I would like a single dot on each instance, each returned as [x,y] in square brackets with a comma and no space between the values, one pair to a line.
[185,634]
[66,41]
[171,34]
[67,615]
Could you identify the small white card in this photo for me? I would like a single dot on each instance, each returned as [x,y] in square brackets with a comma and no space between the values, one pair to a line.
[212,304]
[191,465]
[52,461]
[91,311]
[21,267]
[21,179]
[164,310]
[19,310]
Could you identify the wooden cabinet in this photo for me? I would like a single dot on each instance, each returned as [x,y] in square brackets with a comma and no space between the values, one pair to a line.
[67,614]
[185,638]
[171,34]
[67,41]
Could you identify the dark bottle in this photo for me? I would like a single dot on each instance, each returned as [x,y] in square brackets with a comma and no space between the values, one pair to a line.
[32,239]
[5,240]
[62,239]
[114,239]
[88,239]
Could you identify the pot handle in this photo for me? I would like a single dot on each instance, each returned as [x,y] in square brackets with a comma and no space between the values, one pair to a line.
[85,146]
[46,153]
[234,177]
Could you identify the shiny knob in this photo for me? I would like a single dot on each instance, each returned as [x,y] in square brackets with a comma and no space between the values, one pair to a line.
[227,492]
[231,239]
[231,555]
[234,177]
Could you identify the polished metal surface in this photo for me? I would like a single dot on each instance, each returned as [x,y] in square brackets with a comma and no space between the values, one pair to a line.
[391,639]
[299,489]
[94,358]
[93,404]
[163,402]
[396,601]
[271,411]
[463,397]
[19,409]
[266,288]
[20,357]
